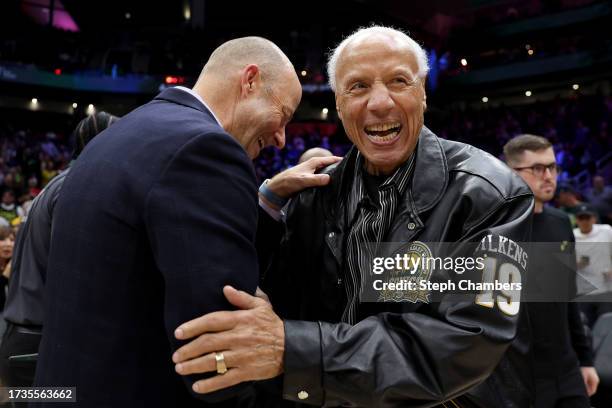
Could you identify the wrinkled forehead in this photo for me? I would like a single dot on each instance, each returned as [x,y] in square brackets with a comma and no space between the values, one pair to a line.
[288,89]
[376,49]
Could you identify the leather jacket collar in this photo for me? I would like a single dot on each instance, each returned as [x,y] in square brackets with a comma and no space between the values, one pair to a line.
[428,181]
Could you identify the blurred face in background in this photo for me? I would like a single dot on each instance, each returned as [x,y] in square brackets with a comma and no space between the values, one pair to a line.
[599,183]
[8,198]
[585,222]
[380,99]
[566,198]
[7,242]
[543,184]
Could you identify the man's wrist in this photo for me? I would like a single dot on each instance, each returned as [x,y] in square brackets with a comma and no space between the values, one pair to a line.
[271,196]
[302,363]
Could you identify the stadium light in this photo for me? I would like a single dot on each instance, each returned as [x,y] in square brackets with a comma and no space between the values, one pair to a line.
[304,73]
[174,80]
[575,87]
[530,52]
[34,101]
[527,93]
[91,109]
[485,99]
[463,62]
[74,105]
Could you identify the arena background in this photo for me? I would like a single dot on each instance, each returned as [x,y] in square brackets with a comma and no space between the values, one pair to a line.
[498,68]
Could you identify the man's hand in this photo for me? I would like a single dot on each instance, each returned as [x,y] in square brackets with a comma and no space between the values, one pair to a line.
[252,341]
[291,181]
[262,295]
[591,379]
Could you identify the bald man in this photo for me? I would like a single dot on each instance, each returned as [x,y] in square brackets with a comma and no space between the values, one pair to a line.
[337,336]
[154,219]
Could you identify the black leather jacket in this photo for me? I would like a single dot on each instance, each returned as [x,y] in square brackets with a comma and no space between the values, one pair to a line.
[401,354]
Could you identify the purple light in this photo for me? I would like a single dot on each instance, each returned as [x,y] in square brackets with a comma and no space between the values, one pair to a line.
[38,10]
[63,20]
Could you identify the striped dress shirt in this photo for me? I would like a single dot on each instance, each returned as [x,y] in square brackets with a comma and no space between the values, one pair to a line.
[371,220]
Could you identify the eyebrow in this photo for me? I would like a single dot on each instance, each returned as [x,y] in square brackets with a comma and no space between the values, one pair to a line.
[351,78]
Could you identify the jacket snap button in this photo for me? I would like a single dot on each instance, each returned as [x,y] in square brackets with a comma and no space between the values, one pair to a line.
[411,226]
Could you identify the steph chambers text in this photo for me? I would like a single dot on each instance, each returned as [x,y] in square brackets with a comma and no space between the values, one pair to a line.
[447,286]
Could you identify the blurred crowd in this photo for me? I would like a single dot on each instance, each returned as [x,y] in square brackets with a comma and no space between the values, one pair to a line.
[579,128]
[29,158]
[32,153]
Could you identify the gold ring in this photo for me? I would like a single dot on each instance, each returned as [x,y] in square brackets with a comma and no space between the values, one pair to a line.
[221,367]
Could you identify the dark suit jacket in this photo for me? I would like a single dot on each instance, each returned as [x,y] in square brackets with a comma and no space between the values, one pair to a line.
[157,214]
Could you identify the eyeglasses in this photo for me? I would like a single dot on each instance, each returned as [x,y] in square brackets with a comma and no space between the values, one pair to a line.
[540,169]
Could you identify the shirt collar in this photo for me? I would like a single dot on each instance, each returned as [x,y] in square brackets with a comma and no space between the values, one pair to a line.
[398,182]
[399,178]
[199,98]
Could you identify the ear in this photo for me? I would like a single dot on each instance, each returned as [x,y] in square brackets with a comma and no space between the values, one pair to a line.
[423,89]
[249,79]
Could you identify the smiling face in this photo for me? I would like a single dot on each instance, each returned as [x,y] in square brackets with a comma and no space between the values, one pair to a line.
[265,110]
[380,99]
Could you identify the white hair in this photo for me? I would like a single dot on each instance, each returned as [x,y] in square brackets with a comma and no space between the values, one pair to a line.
[419,52]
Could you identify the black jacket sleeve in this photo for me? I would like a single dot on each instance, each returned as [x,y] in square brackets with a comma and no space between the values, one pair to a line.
[580,335]
[201,218]
[414,359]
[269,235]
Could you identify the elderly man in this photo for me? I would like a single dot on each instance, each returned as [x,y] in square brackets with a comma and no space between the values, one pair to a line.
[154,218]
[399,184]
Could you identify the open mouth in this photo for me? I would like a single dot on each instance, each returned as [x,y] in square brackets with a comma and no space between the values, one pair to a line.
[383,132]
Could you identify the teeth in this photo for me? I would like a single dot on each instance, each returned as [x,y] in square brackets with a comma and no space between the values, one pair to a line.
[383,138]
[381,127]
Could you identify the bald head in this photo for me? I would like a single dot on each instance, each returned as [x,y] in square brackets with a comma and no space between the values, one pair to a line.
[252,88]
[369,33]
[314,152]
[236,54]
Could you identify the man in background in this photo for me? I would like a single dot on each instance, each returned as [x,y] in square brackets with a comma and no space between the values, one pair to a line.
[600,197]
[594,258]
[24,308]
[561,351]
